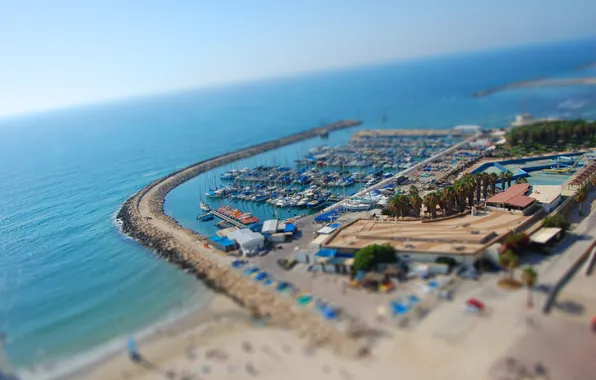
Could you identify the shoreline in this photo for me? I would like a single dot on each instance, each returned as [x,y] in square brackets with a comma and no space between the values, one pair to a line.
[142,218]
[75,366]
[544,82]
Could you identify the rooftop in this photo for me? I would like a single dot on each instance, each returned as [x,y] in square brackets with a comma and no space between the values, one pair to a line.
[545,193]
[511,192]
[464,236]
[544,235]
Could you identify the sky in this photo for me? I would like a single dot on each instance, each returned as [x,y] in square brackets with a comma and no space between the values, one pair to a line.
[61,53]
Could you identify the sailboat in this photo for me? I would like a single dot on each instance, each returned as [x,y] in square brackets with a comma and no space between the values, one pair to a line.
[204,206]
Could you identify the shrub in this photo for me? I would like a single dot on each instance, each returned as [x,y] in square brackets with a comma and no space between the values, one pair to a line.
[368,257]
[558,221]
[386,211]
[446,260]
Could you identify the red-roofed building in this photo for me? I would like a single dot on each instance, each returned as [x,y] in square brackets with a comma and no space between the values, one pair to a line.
[513,198]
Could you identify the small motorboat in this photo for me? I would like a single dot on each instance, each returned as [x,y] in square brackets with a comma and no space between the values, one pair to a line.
[207,217]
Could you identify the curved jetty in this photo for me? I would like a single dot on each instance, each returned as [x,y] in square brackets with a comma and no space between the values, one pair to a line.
[143,219]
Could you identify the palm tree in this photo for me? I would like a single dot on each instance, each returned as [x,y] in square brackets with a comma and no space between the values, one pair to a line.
[470,187]
[460,196]
[521,180]
[503,177]
[404,205]
[593,179]
[435,199]
[493,178]
[413,190]
[451,196]
[509,177]
[427,201]
[416,203]
[580,196]
[509,261]
[529,278]
[445,201]
[478,180]
[393,205]
[485,183]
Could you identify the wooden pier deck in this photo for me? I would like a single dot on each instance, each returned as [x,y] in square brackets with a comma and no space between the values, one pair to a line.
[226,218]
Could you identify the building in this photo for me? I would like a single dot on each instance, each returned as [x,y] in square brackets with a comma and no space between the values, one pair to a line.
[547,196]
[222,243]
[328,229]
[249,242]
[513,199]
[269,227]
[464,239]
[545,236]
[467,128]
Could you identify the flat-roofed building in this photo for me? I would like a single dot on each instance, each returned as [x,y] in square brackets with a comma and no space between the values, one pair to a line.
[464,238]
[545,235]
[547,196]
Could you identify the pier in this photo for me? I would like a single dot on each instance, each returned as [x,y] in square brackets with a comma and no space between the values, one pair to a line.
[226,218]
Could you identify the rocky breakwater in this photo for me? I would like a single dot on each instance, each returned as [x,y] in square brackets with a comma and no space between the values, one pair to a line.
[143,219]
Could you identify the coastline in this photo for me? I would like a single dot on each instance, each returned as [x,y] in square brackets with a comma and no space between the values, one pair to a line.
[74,367]
[143,219]
[587,81]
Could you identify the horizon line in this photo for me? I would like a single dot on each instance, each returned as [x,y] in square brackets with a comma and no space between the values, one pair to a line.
[290,75]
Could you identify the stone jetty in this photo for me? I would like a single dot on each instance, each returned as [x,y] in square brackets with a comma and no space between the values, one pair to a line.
[143,219]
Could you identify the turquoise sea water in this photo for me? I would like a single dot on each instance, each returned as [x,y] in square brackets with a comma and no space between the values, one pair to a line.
[70,282]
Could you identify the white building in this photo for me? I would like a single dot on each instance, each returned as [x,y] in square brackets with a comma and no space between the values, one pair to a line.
[547,196]
[269,227]
[467,128]
[250,242]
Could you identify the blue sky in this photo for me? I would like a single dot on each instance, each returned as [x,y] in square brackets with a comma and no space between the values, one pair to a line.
[66,52]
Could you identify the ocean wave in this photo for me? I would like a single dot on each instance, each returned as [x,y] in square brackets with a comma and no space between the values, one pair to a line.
[572,104]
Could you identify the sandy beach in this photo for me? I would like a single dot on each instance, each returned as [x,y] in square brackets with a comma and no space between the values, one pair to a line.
[222,341]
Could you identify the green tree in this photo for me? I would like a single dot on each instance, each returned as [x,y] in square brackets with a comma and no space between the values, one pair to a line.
[508,261]
[364,259]
[393,205]
[509,177]
[503,178]
[556,221]
[580,197]
[529,278]
[493,179]
[416,203]
[413,190]
[485,184]
[478,182]
[370,256]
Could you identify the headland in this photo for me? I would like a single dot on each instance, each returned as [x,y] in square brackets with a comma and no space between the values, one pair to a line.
[537,83]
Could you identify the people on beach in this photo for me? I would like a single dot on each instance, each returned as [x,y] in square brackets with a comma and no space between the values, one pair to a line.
[133,352]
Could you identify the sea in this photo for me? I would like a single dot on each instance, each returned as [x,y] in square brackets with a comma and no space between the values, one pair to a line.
[72,287]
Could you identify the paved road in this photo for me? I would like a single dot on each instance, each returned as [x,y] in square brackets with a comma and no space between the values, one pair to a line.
[571,248]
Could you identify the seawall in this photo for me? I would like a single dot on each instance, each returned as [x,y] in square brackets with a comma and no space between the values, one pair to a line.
[143,219]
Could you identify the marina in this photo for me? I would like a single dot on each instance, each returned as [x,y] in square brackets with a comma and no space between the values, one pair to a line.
[326,175]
